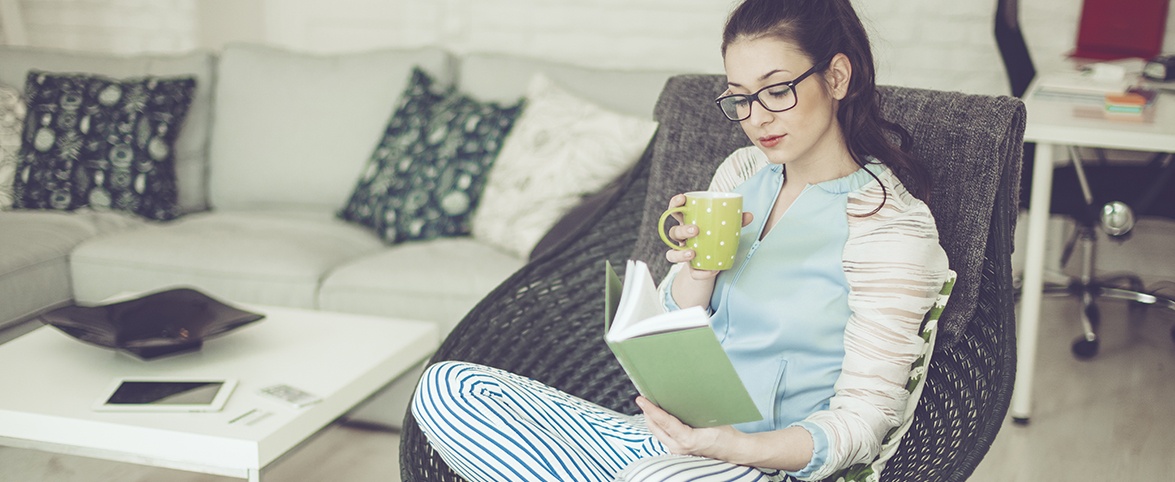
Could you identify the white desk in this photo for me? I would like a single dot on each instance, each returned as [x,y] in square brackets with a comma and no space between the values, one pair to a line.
[50,381]
[1052,123]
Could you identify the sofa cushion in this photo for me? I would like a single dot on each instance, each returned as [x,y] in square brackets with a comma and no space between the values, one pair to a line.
[191,158]
[504,78]
[101,142]
[266,257]
[12,111]
[34,263]
[425,178]
[563,148]
[439,280]
[295,128]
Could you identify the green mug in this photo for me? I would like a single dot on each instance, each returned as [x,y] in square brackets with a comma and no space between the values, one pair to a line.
[719,218]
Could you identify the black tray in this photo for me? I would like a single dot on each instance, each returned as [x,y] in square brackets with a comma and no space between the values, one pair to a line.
[155,325]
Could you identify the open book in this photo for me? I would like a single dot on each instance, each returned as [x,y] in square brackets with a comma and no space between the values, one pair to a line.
[673,358]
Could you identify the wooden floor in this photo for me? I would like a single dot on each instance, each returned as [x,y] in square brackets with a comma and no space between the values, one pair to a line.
[1114,414]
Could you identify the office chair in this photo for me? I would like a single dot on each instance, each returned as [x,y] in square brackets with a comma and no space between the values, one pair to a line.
[1093,196]
[546,322]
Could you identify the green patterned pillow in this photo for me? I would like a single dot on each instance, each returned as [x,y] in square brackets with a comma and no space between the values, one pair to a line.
[107,144]
[871,472]
[425,177]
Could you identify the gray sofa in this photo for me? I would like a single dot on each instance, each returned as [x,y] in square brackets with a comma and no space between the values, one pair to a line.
[270,150]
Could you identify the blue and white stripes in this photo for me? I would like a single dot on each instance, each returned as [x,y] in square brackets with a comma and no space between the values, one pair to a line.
[492,425]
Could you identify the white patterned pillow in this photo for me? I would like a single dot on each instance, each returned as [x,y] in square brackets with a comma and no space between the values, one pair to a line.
[12,112]
[562,148]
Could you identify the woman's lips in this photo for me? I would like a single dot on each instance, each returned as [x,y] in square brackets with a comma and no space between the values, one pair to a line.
[769,141]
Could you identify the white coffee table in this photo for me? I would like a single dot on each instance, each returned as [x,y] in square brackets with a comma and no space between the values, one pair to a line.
[49,381]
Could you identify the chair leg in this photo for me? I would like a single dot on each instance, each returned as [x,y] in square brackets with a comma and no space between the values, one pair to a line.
[1086,346]
[1135,294]
[1087,287]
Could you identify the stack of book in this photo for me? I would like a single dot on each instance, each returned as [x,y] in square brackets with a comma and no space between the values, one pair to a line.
[1079,87]
[1130,104]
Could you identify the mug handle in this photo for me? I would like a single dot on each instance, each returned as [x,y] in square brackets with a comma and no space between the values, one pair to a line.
[661,228]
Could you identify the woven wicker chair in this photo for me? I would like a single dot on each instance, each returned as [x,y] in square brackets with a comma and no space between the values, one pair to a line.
[546,321]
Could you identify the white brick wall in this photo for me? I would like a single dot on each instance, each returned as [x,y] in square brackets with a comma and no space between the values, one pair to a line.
[925,43]
[344,25]
[118,26]
[935,44]
[654,34]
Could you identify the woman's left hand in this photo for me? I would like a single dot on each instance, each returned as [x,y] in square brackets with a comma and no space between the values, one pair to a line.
[682,439]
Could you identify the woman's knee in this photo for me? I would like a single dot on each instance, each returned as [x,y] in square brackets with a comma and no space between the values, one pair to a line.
[438,390]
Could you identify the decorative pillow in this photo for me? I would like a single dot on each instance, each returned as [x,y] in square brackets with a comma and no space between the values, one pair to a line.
[562,149]
[103,143]
[12,112]
[889,446]
[425,177]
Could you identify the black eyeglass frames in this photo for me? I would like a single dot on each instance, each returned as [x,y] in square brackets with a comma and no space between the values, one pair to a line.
[780,97]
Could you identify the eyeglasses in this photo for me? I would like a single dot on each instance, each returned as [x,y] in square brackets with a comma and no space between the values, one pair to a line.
[780,97]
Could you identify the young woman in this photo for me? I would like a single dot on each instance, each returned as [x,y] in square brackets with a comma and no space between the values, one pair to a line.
[820,313]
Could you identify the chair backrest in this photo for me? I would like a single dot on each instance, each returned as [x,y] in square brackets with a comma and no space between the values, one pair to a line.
[546,321]
[1013,50]
[971,144]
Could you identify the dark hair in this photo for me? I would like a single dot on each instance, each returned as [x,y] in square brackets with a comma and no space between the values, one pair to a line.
[822,29]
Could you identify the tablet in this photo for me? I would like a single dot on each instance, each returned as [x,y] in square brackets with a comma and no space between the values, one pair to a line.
[146,394]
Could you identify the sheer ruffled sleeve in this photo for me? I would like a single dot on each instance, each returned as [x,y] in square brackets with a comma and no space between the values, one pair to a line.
[895,268]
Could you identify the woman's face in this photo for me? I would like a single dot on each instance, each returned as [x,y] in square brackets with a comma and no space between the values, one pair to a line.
[807,132]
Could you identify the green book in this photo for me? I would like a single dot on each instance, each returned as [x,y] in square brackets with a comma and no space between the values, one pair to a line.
[673,358]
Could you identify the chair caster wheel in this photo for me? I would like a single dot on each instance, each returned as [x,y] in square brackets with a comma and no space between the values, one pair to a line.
[1084,348]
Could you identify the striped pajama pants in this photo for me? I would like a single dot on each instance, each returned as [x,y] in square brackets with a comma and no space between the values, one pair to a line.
[491,425]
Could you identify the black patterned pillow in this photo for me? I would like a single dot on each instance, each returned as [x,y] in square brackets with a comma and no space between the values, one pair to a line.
[425,177]
[103,143]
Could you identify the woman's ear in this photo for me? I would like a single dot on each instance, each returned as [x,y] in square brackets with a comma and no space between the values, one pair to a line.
[840,72]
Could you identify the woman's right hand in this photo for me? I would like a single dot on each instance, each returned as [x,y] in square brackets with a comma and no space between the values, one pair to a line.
[682,232]
[679,233]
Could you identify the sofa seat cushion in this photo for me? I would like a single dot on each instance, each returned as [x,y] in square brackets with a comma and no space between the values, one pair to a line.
[437,280]
[266,257]
[34,258]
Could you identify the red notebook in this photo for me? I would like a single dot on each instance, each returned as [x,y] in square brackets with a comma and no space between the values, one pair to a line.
[1117,29]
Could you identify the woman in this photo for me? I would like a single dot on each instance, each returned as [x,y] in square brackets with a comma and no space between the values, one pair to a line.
[820,314]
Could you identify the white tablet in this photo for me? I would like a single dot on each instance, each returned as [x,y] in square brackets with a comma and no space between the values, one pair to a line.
[170,394]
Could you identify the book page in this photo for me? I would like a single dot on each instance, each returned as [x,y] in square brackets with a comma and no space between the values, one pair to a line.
[641,311]
[684,319]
